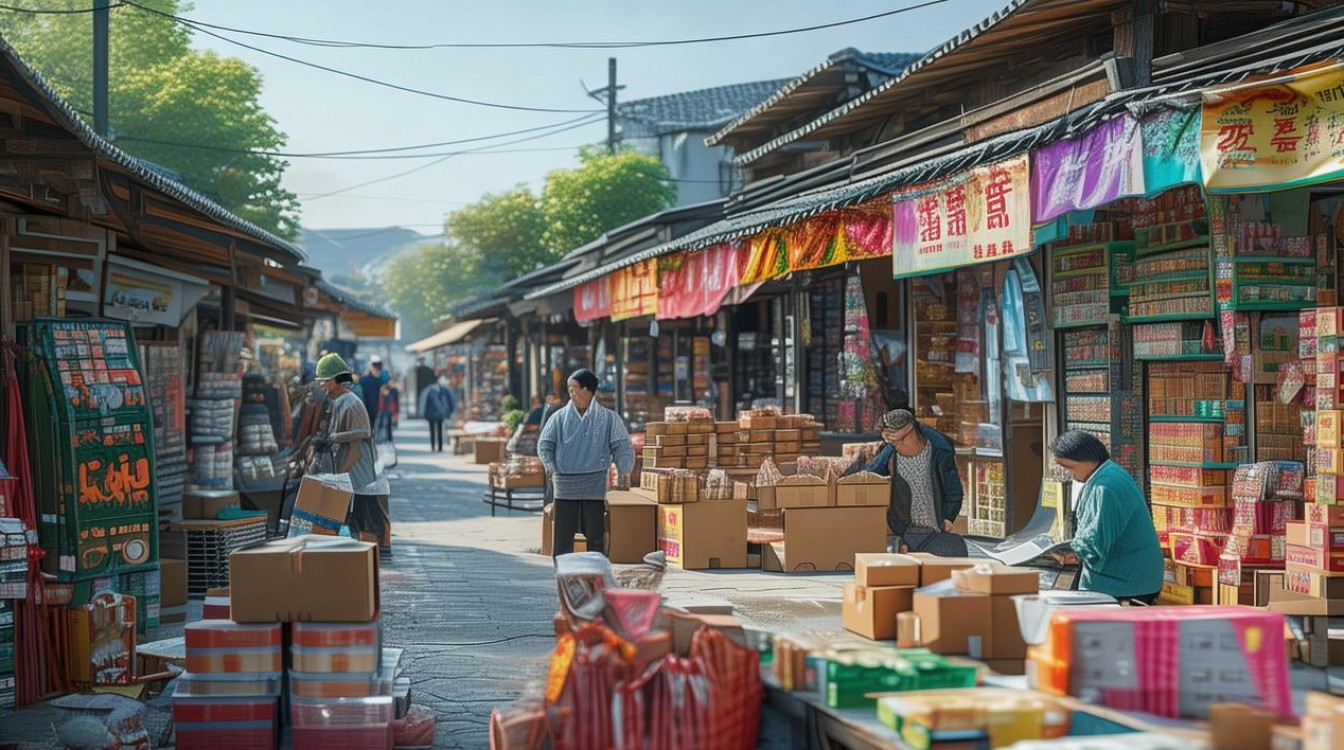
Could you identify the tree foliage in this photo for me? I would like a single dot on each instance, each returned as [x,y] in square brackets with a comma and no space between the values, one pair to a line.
[505,230]
[166,101]
[423,284]
[606,191]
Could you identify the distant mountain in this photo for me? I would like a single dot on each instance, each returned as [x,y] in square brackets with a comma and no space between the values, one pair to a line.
[342,252]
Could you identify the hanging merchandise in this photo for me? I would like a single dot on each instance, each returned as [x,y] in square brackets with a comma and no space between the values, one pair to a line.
[1024,384]
[968,323]
[858,377]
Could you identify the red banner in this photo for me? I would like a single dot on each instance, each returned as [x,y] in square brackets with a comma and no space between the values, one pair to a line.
[695,284]
[592,301]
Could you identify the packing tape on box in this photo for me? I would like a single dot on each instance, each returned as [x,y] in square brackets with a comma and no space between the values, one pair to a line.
[313,519]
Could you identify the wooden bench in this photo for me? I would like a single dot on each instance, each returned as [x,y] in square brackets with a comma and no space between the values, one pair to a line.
[530,499]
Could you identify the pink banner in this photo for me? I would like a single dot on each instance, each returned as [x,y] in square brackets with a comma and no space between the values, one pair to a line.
[592,301]
[695,284]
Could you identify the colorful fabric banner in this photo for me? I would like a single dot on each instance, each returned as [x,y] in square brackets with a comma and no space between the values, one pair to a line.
[1170,149]
[592,301]
[634,290]
[1275,136]
[868,229]
[767,257]
[695,284]
[1086,172]
[978,217]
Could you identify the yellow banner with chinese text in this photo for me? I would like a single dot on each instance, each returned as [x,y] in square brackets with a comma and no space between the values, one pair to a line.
[1280,135]
[634,290]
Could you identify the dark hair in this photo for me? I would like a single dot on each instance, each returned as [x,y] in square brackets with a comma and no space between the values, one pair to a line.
[344,377]
[897,419]
[586,379]
[1076,445]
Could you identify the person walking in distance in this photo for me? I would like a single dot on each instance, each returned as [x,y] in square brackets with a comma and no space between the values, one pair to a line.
[436,405]
[371,386]
[424,380]
[348,440]
[578,445]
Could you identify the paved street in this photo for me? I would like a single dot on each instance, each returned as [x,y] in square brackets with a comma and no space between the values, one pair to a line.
[471,602]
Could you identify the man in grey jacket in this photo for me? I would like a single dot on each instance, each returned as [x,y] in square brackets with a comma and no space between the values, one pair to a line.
[348,441]
[578,445]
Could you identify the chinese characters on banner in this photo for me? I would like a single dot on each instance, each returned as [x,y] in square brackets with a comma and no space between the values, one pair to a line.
[696,284]
[1275,136]
[634,290]
[1088,171]
[976,218]
[592,301]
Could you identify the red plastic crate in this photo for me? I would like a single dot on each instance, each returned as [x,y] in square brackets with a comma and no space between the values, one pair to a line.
[205,710]
[241,736]
[345,738]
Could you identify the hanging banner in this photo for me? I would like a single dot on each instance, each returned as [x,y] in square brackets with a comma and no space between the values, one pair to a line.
[149,295]
[634,290]
[868,229]
[695,284]
[592,301]
[1170,149]
[978,217]
[1086,172]
[1285,134]
[767,257]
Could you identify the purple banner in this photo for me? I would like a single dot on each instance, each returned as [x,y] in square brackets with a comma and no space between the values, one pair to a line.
[1088,171]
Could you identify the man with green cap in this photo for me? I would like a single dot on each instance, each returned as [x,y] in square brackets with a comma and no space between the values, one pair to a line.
[348,442]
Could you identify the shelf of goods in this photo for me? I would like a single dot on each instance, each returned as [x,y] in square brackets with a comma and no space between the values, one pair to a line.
[1261,269]
[1172,274]
[1097,398]
[1086,282]
[1196,437]
[989,502]
[1278,426]
[492,382]
[942,395]
[638,383]
[827,313]
[86,406]
[165,382]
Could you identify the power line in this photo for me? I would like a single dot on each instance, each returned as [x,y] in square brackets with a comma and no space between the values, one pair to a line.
[483,151]
[345,44]
[364,78]
[362,151]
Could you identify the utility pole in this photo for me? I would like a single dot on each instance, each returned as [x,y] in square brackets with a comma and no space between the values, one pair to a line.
[100,43]
[611,105]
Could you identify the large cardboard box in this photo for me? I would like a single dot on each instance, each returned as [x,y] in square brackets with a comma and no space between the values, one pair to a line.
[489,450]
[632,525]
[851,491]
[934,569]
[882,569]
[1005,639]
[704,535]
[305,579]
[999,581]
[871,611]
[319,508]
[801,493]
[208,504]
[954,622]
[826,539]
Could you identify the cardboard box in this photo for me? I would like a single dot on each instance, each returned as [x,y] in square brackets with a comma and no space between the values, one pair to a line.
[1238,726]
[1331,515]
[862,493]
[207,504]
[704,535]
[489,449]
[882,569]
[954,622]
[172,582]
[765,498]
[871,611]
[826,539]
[547,530]
[998,581]
[632,525]
[1011,667]
[308,579]
[1296,534]
[934,569]
[1005,639]
[319,508]
[1314,583]
[804,492]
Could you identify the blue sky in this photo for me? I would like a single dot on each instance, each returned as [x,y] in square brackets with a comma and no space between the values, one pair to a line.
[320,111]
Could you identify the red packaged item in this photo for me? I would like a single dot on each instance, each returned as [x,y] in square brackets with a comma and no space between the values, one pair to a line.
[228,634]
[316,635]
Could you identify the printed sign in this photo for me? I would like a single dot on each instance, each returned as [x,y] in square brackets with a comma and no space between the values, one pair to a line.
[1086,172]
[634,290]
[978,217]
[696,284]
[592,301]
[1279,135]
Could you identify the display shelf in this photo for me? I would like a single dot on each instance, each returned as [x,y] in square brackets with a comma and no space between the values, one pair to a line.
[1169,317]
[1200,241]
[1177,418]
[1203,465]
[1182,276]
[1286,260]
[1178,357]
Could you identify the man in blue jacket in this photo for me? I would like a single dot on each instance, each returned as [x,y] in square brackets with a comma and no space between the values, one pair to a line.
[926,491]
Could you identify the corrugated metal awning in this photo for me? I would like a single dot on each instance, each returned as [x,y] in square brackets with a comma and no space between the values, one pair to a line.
[446,337]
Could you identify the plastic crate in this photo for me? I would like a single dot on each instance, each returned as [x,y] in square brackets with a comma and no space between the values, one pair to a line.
[339,659]
[216,709]
[190,684]
[248,736]
[345,738]
[329,713]
[315,635]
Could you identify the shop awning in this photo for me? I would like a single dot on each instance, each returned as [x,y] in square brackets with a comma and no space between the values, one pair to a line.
[446,337]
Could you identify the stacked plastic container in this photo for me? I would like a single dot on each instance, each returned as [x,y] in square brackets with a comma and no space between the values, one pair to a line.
[340,686]
[229,697]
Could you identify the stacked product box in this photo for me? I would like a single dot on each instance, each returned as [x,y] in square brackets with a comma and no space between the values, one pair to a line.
[7,654]
[340,682]
[1265,497]
[229,696]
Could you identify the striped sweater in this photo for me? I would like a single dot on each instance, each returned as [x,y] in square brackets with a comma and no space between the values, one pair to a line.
[577,450]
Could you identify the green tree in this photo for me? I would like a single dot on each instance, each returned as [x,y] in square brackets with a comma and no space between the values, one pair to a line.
[604,192]
[505,230]
[166,100]
[423,284]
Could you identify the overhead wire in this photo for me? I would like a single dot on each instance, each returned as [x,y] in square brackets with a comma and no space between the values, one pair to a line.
[345,44]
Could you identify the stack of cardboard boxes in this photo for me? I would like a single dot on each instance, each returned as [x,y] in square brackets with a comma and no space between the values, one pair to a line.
[947,605]
[679,445]
[825,521]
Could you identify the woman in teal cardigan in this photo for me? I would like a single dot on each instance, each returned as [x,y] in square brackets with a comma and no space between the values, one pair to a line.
[1114,540]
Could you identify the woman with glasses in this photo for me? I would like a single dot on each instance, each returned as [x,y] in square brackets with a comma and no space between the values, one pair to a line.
[926,491]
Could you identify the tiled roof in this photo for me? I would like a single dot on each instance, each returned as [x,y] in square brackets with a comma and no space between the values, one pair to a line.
[151,174]
[352,299]
[704,109]
[889,63]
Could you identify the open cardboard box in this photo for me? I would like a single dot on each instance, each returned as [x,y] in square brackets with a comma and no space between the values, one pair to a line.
[826,539]
[632,525]
[704,535]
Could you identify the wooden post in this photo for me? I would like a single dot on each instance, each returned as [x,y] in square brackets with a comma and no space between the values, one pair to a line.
[7,327]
